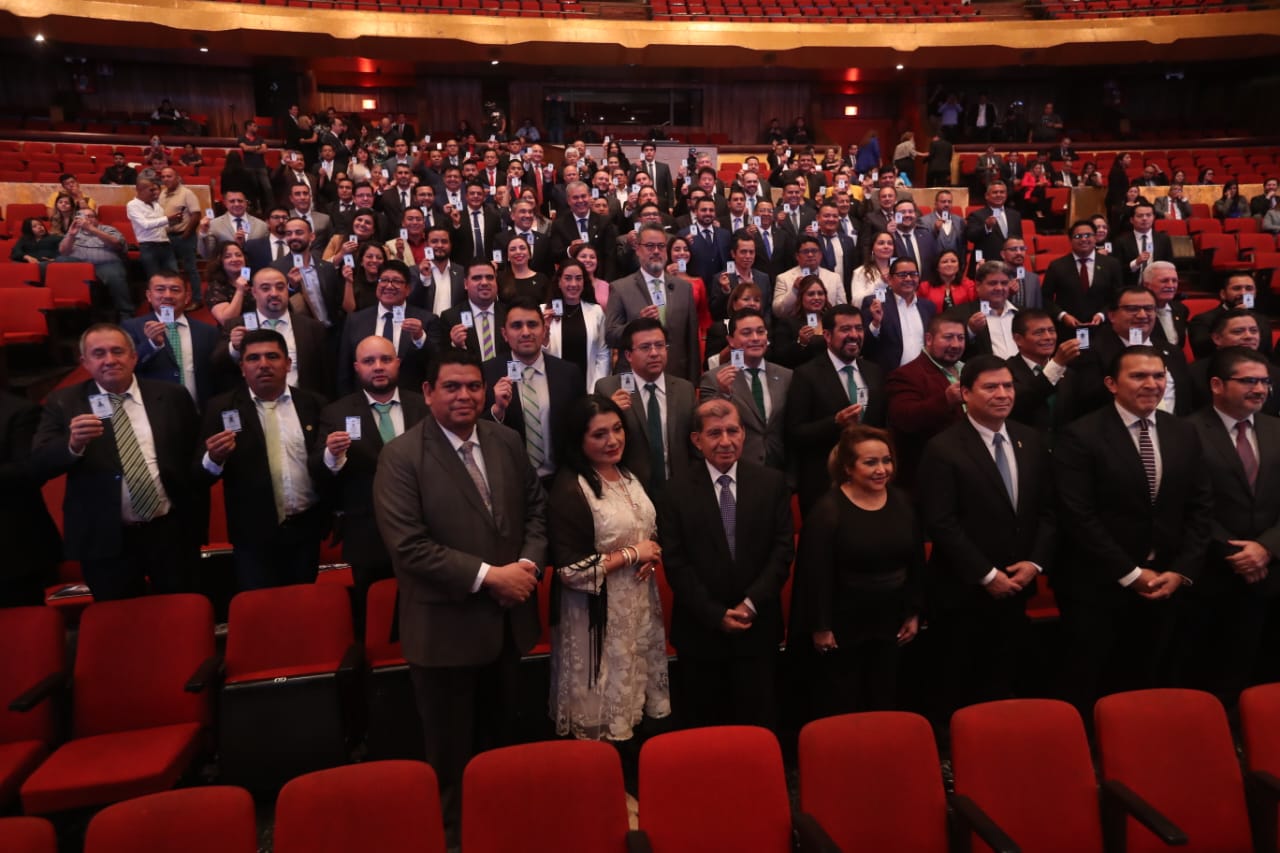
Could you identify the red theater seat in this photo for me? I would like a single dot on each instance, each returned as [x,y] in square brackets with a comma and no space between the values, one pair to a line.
[28,682]
[216,819]
[27,835]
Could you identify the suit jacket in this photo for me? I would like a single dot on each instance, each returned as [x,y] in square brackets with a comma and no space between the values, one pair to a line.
[599,357]
[886,348]
[159,363]
[1082,389]
[1180,317]
[680,405]
[222,229]
[1163,206]
[628,297]
[990,244]
[540,258]
[331,288]
[1202,396]
[602,235]
[92,527]
[453,317]
[259,253]
[463,241]
[1030,293]
[423,291]
[320,224]
[953,242]
[918,410]
[1061,287]
[707,579]
[873,223]
[816,394]
[976,343]
[438,537]
[928,245]
[1200,332]
[765,440]
[852,260]
[783,257]
[388,202]
[325,188]
[808,215]
[707,261]
[565,384]
[1105,503]
[350,490]
[32,543]
[1126,252]
[413,360]
[1240,512]
[313,356]
[1032,395]
[661,182]
[972,522]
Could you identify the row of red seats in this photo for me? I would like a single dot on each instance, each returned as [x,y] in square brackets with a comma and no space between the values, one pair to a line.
[1103,8]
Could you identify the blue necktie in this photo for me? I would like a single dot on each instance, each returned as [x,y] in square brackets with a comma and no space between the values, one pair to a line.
[1002,465]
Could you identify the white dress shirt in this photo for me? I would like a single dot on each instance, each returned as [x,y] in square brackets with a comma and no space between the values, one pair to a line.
[188,363]
[1130,421]
[396,413]
[150,225]
[840,366]
[443,280]
[912,326]
[1000,327]
[285,328]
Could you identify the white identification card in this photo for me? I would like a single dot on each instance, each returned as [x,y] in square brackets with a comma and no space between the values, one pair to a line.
[977,256]
[812,319]
[404,233]
[862,397]
[166,315]
[738,358]
[660,296]
[1021,273]
[245,273]
[349,261]
[1246,301]
[231,420]
[251,321]
[467,320]
[557,307]
[397,314]
[429,253]
[353,428]
[682,265]
[984,306]
[208,212]
[297,261]
[628,382]
[1082,338]
[881,294]
[515,371]
[497,256]
[1136,338]
[101,406]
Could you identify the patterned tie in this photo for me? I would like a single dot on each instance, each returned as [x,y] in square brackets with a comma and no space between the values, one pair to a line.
[828,254]
[1147,451]
[729,514]
[144,497]
[469,462]
[388,327]
[486,337]
[386,427]
[1002,465]
[281,249]
[175,346]
[239,224]
[757,390]
[1247,457]
[275,454]
[768,243]
[657,458]
[534,441]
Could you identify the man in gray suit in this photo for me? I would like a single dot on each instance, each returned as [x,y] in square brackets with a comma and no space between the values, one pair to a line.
[1027,293]
[658,413]
[653,293]
[758,389]
[463,517]
[236,225]
[946,229]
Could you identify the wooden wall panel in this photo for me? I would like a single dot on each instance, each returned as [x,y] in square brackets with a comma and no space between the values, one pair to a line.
[743,110]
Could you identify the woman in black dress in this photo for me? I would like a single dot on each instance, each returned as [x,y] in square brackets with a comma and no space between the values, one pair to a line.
[795,340]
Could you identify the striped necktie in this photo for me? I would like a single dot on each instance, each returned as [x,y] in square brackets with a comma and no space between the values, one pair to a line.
[144,497]
[535,442]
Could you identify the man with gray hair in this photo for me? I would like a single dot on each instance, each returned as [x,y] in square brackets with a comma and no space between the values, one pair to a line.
[578,225]
[1161,278]
[103,246]
[651,292]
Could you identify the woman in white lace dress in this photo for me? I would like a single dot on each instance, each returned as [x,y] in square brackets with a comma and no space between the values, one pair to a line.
[608,649]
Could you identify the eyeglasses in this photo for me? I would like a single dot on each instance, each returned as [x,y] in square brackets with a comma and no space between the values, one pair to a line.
[654,247]
[906,275]
[1084,236]
[399,282]
[1251,381]
[1138,309]
[653,347]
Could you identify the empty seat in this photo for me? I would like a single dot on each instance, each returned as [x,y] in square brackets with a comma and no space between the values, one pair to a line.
[23,317]
[383,806]
[69,283]
[27,683]
[16,212]
[1260,736]
[27,835]
[19,275]
[215,819]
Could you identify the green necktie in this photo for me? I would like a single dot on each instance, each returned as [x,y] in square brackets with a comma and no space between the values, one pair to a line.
[270,324]
[851,386]
[144,497]
[757,391]
[657,456]
[175,344]
[386,428]
[535,444]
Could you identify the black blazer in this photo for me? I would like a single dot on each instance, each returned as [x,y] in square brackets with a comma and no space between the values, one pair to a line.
[1202,396]
[603,238]
[313,355]
[423,292]
[1108,521]
[331,287]
[706,580]
[453,317]
[540,259]
[1032,395]
[817,393]
[886,348]
[1060,287]
[159,364]
[91,509]
[564,385]
[783,258]
[1082,390]
[1126,251]
[413,361]
[246,479]
[32,543]
[1200,332]
[463,246]
[975,231]
[970,519]
[350,491]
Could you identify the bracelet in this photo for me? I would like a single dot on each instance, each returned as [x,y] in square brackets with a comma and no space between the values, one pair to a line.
[632,555]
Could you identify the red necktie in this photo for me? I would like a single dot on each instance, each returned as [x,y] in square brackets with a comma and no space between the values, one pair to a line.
[1247,457]
[1084,275]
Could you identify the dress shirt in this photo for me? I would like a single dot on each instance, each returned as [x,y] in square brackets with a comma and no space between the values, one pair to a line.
[476,312]
[136,409]
[443,300]
[1000,327]
[188,360]
[1001,220]
[1138,240]
[1051,370]
[764,385]
[386,311]
[299,494]
[912,328]
[150,225]
[285,328]
[1229,423]
[1130,421]
[335,464]
[988,441]
[840,366]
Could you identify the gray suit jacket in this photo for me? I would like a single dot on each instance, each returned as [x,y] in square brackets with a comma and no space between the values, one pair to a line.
[438,532]
[222,229]
[765,442]
[680,406]
[1029,295]
[628,297]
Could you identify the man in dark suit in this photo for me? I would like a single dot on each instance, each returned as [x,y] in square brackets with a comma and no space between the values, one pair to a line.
[1161,278]
[811,181]
[260,252]
[180,352]
[775,247]
[987,504]
[758,389]
[729,545]
[989,319]
[522,225]
[877,220]
[797,211]
[897,325]
[827,393]
[840,253]
[742,268]
[535,404]
[580,225]
[1261,205]
[946,228]
[32,544]
[1131,323]
[1237,290]
[657,419]
[1143,245]
[415,336]
[256,439]
[1174,205]
[1040,364]
[303,208]
[988,227]
[464,518]
[342,464]
[398,197]
[914,241]
[131,511]
[1065,296]
[475,324]
[1235,328]
[639,295]
[362,200]
[659,174]
[438,283]
[310,357]
[924,394]
[709,249]
[1241,451]
[475,226]
[316,285]
[1136,500]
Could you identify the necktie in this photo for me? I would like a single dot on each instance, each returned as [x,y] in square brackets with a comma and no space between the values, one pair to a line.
[706,235]
[1002,465]
[281,249]
[388,327]
[486,337]
[144,497]
[737,223]
[1173,209]
[528,238]
[795,221]
[1084,275]
[404,200]
[477,234]
[469,462]
[768,243]
[653,173]
[657,458]
[175,345]
[582,228]
[851,386]
[1247,457]
[239,224]
[271,324]
[1004,224]
[1147,451]
[828,254]
[386,428]
[757,390]
[535,443]
[728,514]
[1166,324]
[275,454]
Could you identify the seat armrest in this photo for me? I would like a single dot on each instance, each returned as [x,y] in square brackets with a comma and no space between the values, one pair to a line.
[1119,801]
[204,674]
[38,692]
[638,842]
[974,819]
[351,661]
[1265,784]
[812,837]
[1263,790]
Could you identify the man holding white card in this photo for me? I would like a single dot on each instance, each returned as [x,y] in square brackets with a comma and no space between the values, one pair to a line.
[1238,291]
[316,285]
[415,334]
[989,226]
[989,319]
[310,358]
[1077,287]
[475,324]
[256,439]
[236,225]
[171,346]
[654,294]
[475,226]
[132,512]
[439,283]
